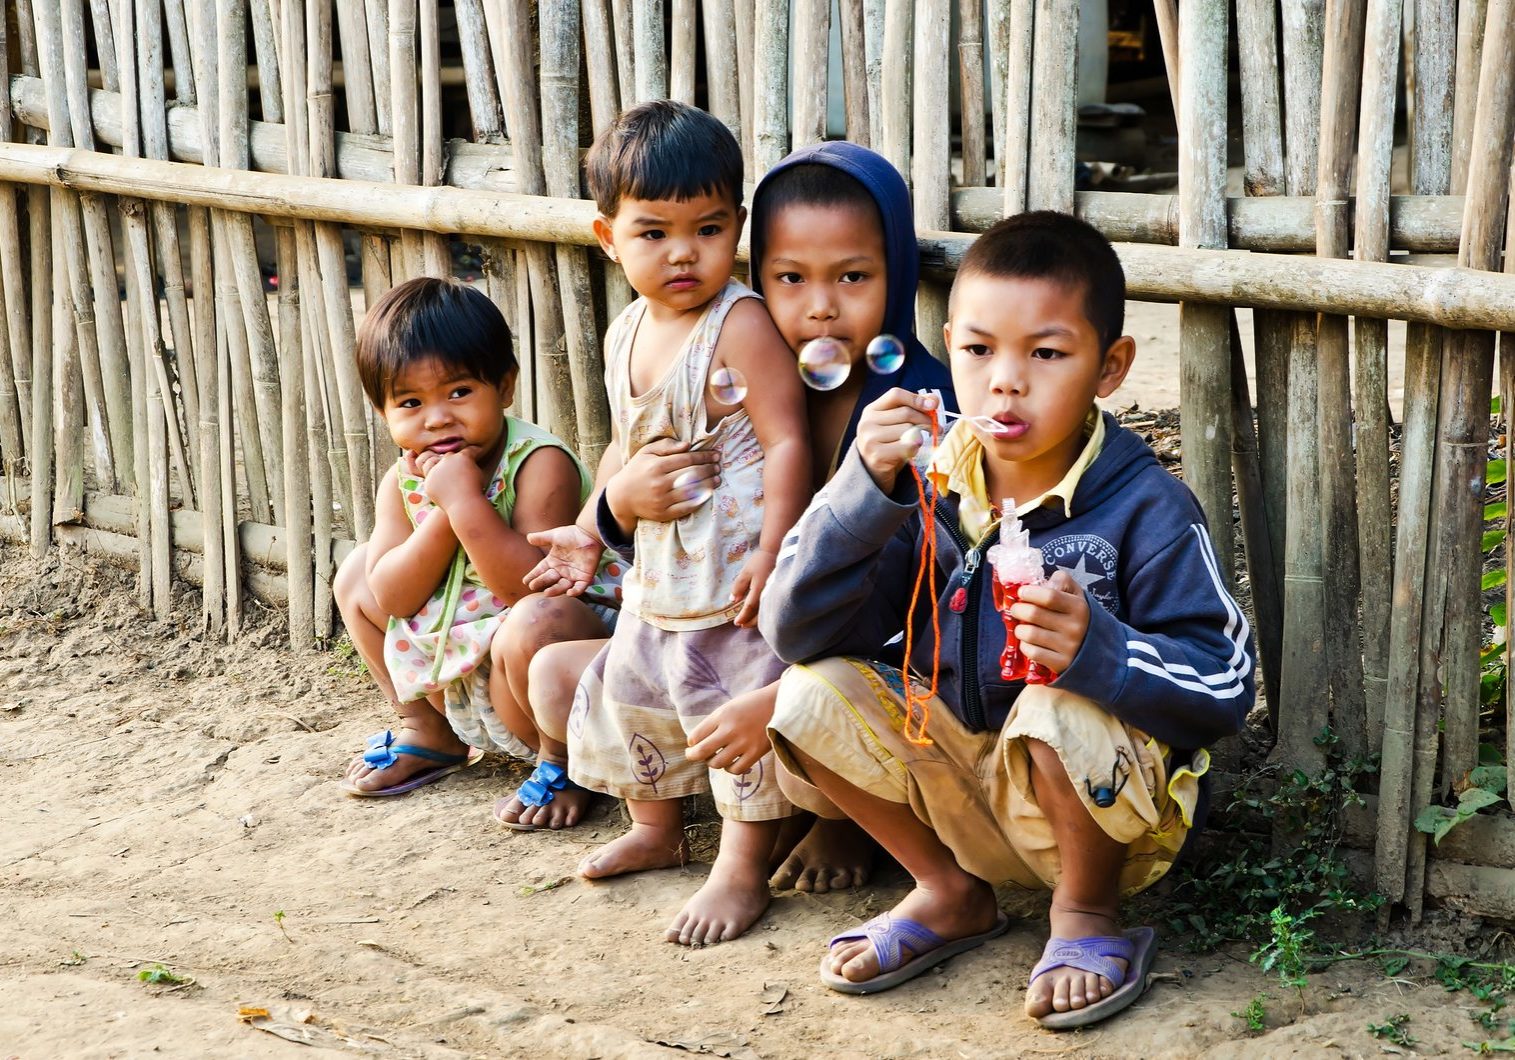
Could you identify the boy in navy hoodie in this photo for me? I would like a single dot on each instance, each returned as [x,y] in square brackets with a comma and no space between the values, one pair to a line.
[1087,786]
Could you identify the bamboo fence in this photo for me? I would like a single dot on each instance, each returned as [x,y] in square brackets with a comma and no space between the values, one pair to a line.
[198,199]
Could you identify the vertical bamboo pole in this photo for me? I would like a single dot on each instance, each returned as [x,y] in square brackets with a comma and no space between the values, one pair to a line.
[1303,681]
[479,75]
[931,150]
[299,547]
[1404,756]
[600,59]
[1204,330]
[100,15]
[560,162]
[721,86]
[40,242]
[376,18]
[873,55]
[770,89]
[1341,81]
[74,259]
[1256,29]
[625,50]
[1380,78]
[1472,15]
[855,71]
[647,29]
[810,38]
[1054,107]
[357,63]
[894,90]
[523,120]
[970,68]
[435,254]
[1016,122]
[681,54]
[745,16]
[15,359]
[266,52]
[68,408]
[405,116]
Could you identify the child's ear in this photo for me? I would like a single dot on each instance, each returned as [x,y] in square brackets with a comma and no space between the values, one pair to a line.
[508,388]
[602,233]
[1118,358]
[947,337]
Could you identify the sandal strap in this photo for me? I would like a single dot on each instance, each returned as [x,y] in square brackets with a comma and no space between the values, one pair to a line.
[383,752]
[546,780]
[889,936]
[1092,954]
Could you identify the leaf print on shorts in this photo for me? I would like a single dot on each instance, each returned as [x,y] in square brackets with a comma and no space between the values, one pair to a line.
[649,763]
[579,711]
[746,785]
[701,674]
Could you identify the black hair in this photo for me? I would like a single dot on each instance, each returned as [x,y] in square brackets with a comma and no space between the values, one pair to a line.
[663,150]
[813,184]
[431,317]
[1045,245]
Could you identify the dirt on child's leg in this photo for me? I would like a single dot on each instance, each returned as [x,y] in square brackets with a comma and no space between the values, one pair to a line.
[655,840]
[422,723]
[1086,900]
[735,893]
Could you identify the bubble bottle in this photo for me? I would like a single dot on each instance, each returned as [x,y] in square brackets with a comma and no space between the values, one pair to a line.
[1016,563]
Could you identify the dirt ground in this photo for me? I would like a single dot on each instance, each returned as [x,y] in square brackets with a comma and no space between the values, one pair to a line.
[173,800]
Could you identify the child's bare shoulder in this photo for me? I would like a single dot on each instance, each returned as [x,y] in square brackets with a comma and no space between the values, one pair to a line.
[748,324]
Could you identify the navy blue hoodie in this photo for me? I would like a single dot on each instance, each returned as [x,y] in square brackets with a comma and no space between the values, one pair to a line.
[884,183]
[1168,650]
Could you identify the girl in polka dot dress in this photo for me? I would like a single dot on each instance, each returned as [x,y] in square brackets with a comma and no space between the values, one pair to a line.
[432,613]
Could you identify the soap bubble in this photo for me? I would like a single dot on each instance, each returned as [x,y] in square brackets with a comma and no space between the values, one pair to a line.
[728,386]
[824,364]
[691,485]
[920,438]
[885,355]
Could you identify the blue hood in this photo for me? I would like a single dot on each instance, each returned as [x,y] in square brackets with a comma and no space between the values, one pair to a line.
[884,183]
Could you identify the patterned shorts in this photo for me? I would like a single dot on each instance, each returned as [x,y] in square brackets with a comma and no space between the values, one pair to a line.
[642,696]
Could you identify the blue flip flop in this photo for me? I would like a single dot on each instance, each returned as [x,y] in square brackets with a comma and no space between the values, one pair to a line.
[890,935]
[383,752]
[1137,947]
[546,780]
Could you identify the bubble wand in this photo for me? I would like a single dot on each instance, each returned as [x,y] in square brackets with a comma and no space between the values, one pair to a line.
[1016,564]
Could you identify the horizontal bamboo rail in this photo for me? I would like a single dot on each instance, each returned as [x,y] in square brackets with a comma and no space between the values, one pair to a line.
[1457,298]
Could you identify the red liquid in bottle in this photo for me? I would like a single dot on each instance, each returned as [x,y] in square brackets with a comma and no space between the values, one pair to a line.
[1013,664]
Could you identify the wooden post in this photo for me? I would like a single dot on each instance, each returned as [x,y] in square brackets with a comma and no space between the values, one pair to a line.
[681,57]
[1376,513]
[811,40]
[855,70]
[15,359]
[931,152]
[1472,16]
[970,72]
[770,86]
[1341,83]
[647,28]
[1015,169]
[40,242]
[1054,107]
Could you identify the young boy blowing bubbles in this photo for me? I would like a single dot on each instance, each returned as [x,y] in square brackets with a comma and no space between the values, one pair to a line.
[1087,786]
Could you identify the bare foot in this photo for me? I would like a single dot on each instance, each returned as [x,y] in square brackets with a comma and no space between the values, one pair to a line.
[564,811]
[833,856]
[736,892]
[961,909]
[417,730]
[1063,989]
[642,847]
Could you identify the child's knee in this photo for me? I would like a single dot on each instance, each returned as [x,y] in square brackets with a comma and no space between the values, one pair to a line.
[350,586]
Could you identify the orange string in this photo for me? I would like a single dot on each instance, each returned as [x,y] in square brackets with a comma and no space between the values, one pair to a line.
[926,573]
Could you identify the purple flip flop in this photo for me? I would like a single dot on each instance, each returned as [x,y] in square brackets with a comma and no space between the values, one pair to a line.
[383,751]
[1137,947]
[890,935]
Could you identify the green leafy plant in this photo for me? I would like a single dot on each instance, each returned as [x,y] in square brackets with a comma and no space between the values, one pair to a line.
[1393,1029]
[159,975]
[1483,786]
[1256,1014]
[349,663]
[1288,951]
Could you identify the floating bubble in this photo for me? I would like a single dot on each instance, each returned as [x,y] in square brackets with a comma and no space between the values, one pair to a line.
[692,486]
[886,354]
[728,386]
[824,364]
[920,438]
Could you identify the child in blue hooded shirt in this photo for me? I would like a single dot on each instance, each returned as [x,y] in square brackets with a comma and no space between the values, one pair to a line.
[833,254]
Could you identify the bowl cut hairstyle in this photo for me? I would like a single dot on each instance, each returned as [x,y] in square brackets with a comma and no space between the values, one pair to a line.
[430,317]
[663,150]
[1045,245]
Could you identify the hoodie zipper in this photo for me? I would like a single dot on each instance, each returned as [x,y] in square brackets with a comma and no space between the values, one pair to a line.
[973,707]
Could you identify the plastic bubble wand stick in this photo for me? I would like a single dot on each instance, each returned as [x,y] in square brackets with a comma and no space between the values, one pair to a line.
[1016,563]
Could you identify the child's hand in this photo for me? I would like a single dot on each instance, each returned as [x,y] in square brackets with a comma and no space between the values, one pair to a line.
[888,433]
[749,586]
[451,477]
[1051,621]
[735,735]
[573,557]
[645,488]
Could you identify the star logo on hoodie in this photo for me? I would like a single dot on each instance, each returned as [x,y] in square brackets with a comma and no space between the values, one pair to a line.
[1091,561]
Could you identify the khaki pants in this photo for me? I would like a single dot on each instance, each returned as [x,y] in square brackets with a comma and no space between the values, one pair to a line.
[973,789]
